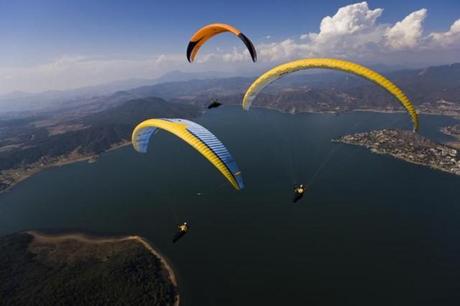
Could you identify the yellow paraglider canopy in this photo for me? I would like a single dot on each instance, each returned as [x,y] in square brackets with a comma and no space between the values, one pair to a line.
[329,63]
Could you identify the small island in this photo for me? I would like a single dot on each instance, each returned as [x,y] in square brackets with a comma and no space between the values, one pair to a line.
[408,146]
[453,131]
[76,269]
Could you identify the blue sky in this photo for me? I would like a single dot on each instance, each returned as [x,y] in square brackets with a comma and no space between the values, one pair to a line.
[90,37]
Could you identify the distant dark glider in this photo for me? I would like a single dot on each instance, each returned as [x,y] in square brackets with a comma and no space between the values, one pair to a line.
[214,104]
[202,35]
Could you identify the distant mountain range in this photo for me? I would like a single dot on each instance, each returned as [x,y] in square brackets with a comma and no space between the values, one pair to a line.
[23,103]
[433,89]
[16,103]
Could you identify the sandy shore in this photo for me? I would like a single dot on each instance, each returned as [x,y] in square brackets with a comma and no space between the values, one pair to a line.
[53,238]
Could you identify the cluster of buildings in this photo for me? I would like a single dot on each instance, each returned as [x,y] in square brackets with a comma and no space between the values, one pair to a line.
[408,146]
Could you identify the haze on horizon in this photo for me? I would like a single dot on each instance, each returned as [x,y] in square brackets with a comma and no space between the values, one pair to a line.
[57,45]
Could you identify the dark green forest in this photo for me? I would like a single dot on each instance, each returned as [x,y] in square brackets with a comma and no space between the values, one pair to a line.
[124,274]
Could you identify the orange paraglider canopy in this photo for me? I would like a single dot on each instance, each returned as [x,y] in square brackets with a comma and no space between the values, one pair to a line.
[205,33]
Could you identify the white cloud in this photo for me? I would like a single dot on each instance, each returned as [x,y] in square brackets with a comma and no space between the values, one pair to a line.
[352,29]
[447,39]
[282,50]
[348,20]
[354,32]
[304,36]
[406,34]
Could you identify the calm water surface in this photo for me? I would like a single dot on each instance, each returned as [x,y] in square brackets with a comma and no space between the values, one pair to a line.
[371,231]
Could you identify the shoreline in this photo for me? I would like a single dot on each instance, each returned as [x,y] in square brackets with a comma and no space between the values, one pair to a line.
[93,158]
[407,146]
[374,151]
[81,237]
[359,110]
[59,162]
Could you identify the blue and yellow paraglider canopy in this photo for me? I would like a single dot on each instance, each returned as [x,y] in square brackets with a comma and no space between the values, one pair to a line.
[195,135]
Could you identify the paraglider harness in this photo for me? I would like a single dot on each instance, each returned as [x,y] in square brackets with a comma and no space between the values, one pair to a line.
[182,229]
[299,190]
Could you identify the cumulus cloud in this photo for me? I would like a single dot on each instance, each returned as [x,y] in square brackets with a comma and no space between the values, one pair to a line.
[352,29]
[348,20]
[354,32]
[407,33]
[447,39]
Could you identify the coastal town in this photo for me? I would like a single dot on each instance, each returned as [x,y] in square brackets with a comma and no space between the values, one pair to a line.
[408,146]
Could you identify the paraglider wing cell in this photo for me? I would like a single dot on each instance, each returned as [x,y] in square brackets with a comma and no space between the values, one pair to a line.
[195,135]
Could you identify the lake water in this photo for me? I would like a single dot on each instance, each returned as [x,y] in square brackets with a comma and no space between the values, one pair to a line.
[372,230]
